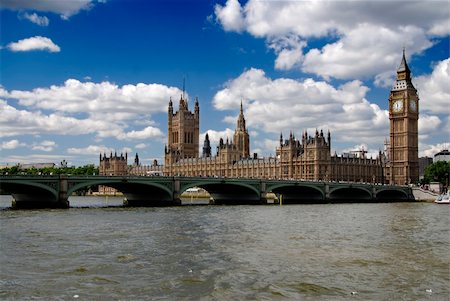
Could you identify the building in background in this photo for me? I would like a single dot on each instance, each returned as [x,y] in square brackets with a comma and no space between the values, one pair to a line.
[423,163]
[308,158]
[443,155]
[113,165]
[403,118]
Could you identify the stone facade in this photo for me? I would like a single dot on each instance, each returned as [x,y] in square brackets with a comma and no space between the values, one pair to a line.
[113,165]
[309,158]
[403,116]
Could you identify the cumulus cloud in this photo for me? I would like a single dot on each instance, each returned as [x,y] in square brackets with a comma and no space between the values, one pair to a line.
[11,144]
[284,104]
[16,122]
[107,109]
[354,29]
[140,146]
[353,56]
[36,19]
[435,89]
[105,97]
[96,150]
[429,150]
[65,9]
[45,146]
[214,138]
[230,15]
[33,44]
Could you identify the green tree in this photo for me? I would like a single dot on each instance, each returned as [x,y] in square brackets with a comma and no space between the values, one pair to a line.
[438,172]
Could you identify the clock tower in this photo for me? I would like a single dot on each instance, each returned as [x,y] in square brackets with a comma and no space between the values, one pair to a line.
[403,117]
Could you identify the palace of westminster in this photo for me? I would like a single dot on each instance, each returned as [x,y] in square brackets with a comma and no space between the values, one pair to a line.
[308,158]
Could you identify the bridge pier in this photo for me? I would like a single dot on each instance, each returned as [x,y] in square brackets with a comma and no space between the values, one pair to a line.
[25,201]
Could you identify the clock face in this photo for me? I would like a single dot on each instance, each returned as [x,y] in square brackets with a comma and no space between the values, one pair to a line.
[412,106]
[397,106]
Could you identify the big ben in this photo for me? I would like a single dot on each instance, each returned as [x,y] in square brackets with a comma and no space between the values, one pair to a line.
[403,116]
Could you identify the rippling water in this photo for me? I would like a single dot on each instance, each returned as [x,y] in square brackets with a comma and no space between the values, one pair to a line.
[396,251]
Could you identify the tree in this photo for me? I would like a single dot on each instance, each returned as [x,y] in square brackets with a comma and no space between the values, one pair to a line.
[438,172]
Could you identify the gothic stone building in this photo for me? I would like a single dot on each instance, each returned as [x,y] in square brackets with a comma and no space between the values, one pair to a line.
[308,158]
[112,166]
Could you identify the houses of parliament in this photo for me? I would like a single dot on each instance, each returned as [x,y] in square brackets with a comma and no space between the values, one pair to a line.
[306,158]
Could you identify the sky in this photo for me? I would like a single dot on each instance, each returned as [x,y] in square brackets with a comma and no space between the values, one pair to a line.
[84,77]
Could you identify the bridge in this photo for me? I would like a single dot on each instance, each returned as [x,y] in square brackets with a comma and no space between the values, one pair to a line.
[53,191]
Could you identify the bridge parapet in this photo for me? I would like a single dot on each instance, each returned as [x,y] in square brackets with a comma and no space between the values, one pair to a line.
[53,191]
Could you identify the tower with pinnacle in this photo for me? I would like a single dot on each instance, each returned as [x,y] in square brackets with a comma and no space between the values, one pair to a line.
[183,132]
[241,137]
[403,119]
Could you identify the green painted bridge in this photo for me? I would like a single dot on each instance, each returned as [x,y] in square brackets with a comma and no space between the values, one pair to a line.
[53,191]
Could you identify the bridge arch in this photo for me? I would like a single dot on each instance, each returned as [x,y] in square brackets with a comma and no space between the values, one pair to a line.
[350,194]
[137,192]
[298,193]
[31,194]
[228,191]
[391,195]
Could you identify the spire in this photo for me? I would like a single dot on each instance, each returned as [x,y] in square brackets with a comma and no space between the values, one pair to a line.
[184,86]
[241,120]
[206,147]
[403,65]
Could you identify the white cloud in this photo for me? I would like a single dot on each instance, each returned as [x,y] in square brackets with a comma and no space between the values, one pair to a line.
[105,97]
[17,122]
[36,19]
[429,150]
[11,144]
[214,138]
[428,125]
[230,15]
[34,43]
[289,51]
[434,89]
[96,150]
[353,56]
[354,29]
[35,158]
[284,104]
[148,132]
[65,9]
[140,146]
[107,110]
[45,146]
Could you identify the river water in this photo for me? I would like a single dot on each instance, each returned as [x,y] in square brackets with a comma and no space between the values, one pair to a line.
[396,251]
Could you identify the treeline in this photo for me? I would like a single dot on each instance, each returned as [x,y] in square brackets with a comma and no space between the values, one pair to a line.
[437,172]
[87,170]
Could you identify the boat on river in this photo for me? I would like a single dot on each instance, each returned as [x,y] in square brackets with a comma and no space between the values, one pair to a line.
[443,198]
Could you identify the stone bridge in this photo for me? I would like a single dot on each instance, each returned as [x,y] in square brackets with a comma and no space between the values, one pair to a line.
[53,191]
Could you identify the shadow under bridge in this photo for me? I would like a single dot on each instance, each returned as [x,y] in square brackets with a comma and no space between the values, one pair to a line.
[137,192]
[230,191]
[298,193]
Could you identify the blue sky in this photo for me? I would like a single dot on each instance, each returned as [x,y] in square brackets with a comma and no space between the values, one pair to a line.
[83,77]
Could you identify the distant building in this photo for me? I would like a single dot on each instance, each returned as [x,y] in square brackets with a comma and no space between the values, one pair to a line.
[36,165]
[423,163]
[112,166]
[308,158]
[443,155]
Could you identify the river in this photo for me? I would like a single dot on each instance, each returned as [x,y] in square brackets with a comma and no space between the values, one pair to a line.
[97,250]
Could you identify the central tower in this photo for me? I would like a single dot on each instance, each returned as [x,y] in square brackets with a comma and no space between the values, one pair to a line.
[403,117]
[241,137]
[182,132]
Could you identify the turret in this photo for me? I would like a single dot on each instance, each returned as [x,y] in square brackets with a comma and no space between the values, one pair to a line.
[170,107]
[206,147]
[197,108]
